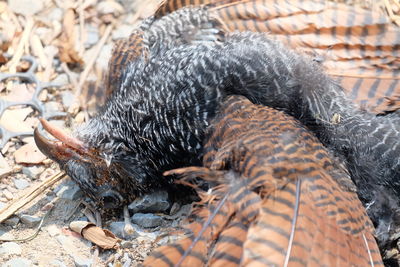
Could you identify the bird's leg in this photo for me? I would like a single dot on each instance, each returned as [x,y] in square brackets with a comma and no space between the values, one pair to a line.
[128,228]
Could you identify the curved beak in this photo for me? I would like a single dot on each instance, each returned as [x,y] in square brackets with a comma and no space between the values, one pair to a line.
[62,149]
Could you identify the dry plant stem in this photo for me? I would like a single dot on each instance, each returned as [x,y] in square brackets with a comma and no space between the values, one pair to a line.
[82,34]
[34,234]
[88,68]
[27,198]
[20,48]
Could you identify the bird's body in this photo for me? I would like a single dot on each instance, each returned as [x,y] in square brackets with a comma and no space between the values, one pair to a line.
[175,85]
[280,199]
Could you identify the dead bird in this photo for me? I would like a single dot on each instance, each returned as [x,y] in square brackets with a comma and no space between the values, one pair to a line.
[175,85]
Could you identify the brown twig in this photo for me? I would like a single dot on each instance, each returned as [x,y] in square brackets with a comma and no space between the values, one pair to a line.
[88,68]
[12,65]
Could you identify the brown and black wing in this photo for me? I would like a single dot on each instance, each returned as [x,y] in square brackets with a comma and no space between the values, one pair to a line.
[359,47]
[280,199]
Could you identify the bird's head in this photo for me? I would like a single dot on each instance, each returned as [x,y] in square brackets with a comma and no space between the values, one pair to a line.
[111,176]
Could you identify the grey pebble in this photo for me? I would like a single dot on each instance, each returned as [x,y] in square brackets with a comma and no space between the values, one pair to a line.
[2,205]
[154,202]
[10,248]
[57,263]
[18,262]
[13,221]
[25,7]
[29,220]
[147,220]
[70,191]
[117,228]
[82,262]
[32,172]
[67,98]
[21,184]
[92,36]
[60,80]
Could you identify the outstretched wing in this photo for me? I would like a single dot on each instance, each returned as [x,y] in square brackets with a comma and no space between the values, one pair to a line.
[361,49]
[280,199]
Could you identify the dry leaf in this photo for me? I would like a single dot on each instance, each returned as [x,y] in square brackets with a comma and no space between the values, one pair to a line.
[68,54]
[14,120]
[29,154]
[101,237]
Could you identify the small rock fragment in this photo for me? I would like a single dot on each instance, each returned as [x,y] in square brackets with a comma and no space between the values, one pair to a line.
[67,98]
[21,183]
[30,220]
[13,221]
[92,36]
[154,202]
[117,228]
[26,7]
[82,262]
[126,244]
[32,172]
[70,191]
[147,220]
[2,205]
[53,230]
[18,262]
[10,248]
[60,80]
[52,106]
[29,154]
[122,31]
[6,235]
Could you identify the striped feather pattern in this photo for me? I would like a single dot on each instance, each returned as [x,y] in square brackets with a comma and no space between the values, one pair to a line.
[284,200]
[361,49]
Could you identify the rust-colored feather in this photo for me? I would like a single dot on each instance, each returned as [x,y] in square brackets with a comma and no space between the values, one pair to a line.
[361,49]
[280,199]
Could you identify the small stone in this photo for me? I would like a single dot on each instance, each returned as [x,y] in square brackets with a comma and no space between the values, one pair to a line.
[109,7]
[117,228]
[126,244]
[71,192]
[155,202]
[67,98]
[13,221]
[57,263]
[30,220]
[66,243]
[81,262]
[60,80]
[53,230]
[18,262]
[55,14]
[32,172]
[6,235]
[21,183]
[122,31]
[147,220]
[92,36]
[104,57]
[10,248]
[52,106]
[26,7]
[8,194]
[2,205]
